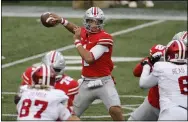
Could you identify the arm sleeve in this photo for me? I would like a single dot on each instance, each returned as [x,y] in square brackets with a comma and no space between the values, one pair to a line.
[138,70]
[64,113]
[98,51]
[147,80]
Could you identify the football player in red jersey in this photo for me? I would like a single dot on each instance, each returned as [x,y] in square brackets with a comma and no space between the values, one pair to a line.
[149,109]
[63,81]
[95,47]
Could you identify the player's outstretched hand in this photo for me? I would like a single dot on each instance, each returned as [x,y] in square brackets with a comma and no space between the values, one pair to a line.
[56,18]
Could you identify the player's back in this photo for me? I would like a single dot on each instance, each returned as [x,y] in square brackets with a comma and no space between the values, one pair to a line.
[40,104]
[172,84]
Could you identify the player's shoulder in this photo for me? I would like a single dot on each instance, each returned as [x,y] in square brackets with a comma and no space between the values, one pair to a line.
[159,64]
[104,34]
[67,77]
[59,94]
[105,38]
[24,88]
[29,69]
[162,66]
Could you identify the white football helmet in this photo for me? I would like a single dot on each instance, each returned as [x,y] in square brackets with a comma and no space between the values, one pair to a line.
[176,52]
[56,60]
[181,36]
[94,13]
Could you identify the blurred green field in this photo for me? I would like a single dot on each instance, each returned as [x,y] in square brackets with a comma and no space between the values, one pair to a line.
[25,37]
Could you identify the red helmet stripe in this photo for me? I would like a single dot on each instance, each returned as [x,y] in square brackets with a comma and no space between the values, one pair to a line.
[180,46]
[184,36]
[43,74]
[53,56]
[48,75]
[95,11]
[183,49]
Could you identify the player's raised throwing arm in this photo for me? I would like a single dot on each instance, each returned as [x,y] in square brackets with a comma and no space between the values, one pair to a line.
[68,25]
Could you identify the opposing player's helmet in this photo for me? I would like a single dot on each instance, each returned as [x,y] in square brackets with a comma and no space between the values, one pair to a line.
[43,75]
[158,48]
[96,14]
[176,52]
[182,36]
[56,60]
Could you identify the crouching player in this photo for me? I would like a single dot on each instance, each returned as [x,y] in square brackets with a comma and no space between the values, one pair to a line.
[40,101]
[63,82]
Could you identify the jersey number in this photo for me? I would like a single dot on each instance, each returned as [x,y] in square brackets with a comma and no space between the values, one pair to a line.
[183,84]
[27,104]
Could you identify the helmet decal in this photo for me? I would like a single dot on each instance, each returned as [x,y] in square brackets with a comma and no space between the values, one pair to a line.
[53,56]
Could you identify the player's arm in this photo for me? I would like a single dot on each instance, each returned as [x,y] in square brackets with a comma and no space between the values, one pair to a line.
[96,52]
[147,80]
[90,56]
[68,25]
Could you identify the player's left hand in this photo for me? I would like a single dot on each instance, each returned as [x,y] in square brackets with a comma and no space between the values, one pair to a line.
[77,31]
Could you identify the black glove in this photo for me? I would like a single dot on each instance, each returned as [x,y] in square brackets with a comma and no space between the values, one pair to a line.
[155,57]
[144,62]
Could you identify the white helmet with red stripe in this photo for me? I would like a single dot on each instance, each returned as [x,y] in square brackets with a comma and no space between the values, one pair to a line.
[176,52]
[181,36]
[96,14]
[56,60]
[43,75]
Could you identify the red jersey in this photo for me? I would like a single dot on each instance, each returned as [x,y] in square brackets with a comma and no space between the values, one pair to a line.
[65,83]
[153,94]
[70,87]
[102,66]
[26,76]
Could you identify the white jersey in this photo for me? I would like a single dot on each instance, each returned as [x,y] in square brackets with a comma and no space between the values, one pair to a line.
[172,82]
[41,104]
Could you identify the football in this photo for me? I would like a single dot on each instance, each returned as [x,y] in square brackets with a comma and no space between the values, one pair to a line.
[46,20]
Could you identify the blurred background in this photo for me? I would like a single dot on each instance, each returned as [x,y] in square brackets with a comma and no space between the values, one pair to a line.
[180,5]
[135,26]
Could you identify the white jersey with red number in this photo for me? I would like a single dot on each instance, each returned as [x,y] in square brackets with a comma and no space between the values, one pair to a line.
[41,104]
[172,82]
[65,83]
[70,87]
[104,65]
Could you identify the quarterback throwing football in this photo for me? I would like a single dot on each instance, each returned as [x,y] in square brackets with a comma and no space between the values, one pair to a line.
[95,47]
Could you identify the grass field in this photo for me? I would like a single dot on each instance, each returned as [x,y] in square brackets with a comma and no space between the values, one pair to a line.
[25,37]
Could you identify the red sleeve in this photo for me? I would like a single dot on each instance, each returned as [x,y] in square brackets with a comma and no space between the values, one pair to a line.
[73,88]
[26,76]
[138,69]
[72,91]
[105,39]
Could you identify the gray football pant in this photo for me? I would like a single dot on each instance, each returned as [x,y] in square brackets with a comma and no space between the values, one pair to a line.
[145,112]
[107,93]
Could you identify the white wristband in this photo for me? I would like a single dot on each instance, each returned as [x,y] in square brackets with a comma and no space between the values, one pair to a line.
[77,43]
[64,22]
